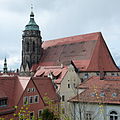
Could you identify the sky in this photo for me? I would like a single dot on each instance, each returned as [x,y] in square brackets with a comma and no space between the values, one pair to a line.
[57,19]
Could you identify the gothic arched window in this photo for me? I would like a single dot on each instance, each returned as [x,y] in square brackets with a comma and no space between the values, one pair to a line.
[27,48]
[33,46]
[113,115]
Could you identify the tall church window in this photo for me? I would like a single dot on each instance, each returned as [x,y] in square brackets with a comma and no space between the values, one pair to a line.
[27,48]
[33,46]
[113,115]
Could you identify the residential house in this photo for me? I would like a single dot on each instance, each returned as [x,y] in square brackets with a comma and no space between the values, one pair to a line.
[97,99]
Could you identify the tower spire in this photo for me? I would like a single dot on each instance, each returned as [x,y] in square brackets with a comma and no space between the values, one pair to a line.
[5,66]
[31,7]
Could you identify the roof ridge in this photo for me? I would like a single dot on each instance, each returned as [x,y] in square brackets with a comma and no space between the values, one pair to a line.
[73,36]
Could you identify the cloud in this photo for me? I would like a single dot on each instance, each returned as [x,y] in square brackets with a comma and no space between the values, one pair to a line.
[58,18]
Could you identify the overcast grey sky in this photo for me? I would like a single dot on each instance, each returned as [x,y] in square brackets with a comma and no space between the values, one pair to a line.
[57,19]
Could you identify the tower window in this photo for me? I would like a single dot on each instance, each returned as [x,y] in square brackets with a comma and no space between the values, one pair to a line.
[27,48]
[33,46]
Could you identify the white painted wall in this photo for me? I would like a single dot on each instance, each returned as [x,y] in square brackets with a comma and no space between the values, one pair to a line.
[99,111]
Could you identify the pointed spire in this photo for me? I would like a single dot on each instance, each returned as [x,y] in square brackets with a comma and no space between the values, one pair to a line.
[32,24]
[5,66]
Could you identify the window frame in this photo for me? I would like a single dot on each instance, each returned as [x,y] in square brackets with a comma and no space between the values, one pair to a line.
[41,113]
[63,98]
[5,100]
[24,100]
[32,99]
[113,115]
[30,113]
[88,115]
[68,85]
[37,100]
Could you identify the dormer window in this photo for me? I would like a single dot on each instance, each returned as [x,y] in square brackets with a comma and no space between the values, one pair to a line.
[102,94]
[3,102]
[93,94]
[86,75]
[114,94]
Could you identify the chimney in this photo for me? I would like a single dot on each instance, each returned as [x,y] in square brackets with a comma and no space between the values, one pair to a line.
[102,75]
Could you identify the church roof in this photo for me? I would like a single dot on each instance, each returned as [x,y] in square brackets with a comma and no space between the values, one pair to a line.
[32,24]
[99,91]
[87,52]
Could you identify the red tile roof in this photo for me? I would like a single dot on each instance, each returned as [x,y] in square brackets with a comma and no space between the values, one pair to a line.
[94,87]
[12,87]
[88,53]
[45,87]
[55,70]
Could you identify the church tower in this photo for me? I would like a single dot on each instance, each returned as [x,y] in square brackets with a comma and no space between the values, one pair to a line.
[5,66]
[31,45]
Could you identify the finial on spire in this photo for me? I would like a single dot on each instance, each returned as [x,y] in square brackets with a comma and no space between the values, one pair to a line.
[32,14]
[31,7]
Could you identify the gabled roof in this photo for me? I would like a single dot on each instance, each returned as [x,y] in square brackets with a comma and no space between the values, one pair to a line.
[88,53]
[99,91]
[12,87]
[45,87]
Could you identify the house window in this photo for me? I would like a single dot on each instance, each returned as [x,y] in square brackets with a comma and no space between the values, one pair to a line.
[31,99]
[3,102]
[28,90]
[68,85]
[33,89]
[25,100]
[88,116]
[86,75]
[113,74]
[63,98]
[114,94]
[113,115]
[40,113]
[36,98]
[74,85]
[32,116]
[97,73]
[102,94]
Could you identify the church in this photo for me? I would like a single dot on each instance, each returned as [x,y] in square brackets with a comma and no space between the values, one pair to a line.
[87,52]
[57,67]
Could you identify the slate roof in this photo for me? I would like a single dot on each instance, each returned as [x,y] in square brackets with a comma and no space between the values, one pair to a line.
[88,52]
[99,91]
